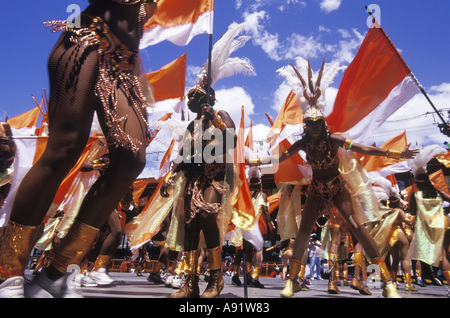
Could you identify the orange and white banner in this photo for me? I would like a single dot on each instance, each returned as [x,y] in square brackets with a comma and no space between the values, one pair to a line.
[168,85]
[375,85]
[169,81]
[178,22]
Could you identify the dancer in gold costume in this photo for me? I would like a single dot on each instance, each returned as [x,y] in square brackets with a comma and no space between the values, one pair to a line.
[327,187]
[431,239]
[202,194]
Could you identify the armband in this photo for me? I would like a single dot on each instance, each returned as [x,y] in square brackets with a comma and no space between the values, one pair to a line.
[218,123]
[394,154]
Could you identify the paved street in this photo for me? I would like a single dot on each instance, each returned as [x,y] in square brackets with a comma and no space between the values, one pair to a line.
[128,285]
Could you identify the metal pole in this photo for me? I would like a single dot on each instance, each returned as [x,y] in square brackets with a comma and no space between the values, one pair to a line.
[208,89]
[245,274]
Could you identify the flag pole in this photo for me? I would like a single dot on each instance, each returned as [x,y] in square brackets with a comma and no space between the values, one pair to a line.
[208,89]
[444,127]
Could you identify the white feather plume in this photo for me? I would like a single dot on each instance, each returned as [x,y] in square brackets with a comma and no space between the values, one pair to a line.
[385,184]
[420,161]
[329,73]
[380,194]
[222,65]
[253,172]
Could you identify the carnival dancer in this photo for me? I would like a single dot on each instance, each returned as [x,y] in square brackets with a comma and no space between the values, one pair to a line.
[431,239]
[337,247]
[202,195]
[327,185]
[204,170]
[92,68]
[397,242]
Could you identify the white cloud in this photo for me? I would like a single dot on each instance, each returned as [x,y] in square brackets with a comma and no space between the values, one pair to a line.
[330,5]
[299,44]
[231,100]
[280,96]
[269,42]
[418,118]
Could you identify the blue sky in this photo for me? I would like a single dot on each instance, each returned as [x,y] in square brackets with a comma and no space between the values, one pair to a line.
[280,30]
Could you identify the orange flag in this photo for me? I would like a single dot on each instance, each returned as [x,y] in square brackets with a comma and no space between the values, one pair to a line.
[169,81]
[179,23]
[288,170]
[28,119]
[139,187]
[439,181]
[244,202]
[290,114]
[70,177]
[273,201]
[376,163]
[376,83]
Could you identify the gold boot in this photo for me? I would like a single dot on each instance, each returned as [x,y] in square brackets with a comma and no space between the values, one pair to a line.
[356,284]
[408,283]
[389,290]
[215,282]
[332,283]
[17,242]
[345,274]
[102,261]
[190,288]
[292,285]
[74,246]
[255,278]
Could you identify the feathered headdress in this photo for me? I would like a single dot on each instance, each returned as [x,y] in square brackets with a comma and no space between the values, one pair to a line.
[386,186]
[253,172]
[310,94]
[222,65]
[418,164]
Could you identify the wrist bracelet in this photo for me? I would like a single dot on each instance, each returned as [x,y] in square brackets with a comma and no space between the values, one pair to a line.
[394,154]
[348,144]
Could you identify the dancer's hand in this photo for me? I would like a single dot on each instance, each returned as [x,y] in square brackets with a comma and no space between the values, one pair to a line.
[409,153]
[163,189]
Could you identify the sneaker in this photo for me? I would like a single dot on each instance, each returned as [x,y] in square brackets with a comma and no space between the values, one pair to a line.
[420,282]
[83,280]
[101,278]
[12,288]
[41,286]
[437,282]
[177,282]
[155,279]
[168,281]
